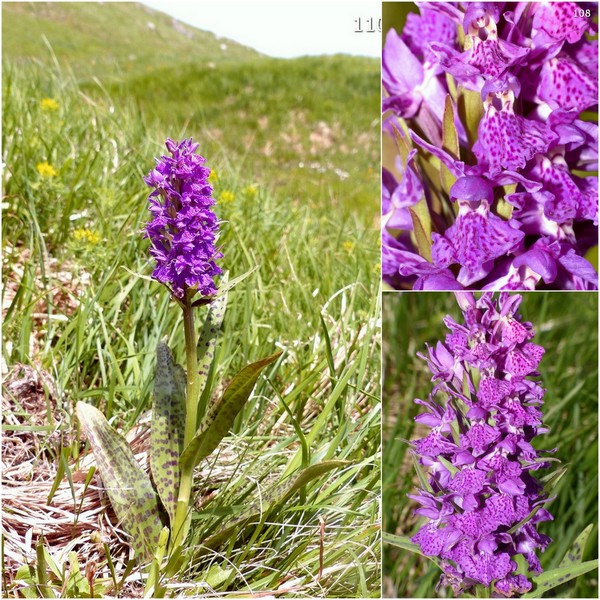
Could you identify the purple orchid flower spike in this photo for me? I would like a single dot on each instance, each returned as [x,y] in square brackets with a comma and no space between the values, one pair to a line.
[184,228]
[499,101]
[486,56]
[484,504]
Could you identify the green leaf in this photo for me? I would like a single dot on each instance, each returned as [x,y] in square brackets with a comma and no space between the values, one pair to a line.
[453,470]
[221,415]
[153,589]
[217,576]
[466,388]
[470,111]
[42,576]
[227,285]
[77,585]
[168,427]
[401,541]
[425,485]
[26,575]
[575,552]
[404,543]
[275,496]
[402,142]
[555,577]
[551,480]
[449,143]
[127,485]
[503,208]
[421,219]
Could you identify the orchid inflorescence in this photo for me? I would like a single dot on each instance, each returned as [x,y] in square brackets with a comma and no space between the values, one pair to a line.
[479,495]
[493,109]
[184,227]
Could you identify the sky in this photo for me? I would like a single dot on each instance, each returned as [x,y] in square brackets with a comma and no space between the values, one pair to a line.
[286,28]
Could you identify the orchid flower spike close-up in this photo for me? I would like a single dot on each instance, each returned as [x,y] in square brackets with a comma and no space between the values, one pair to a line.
[490,150]
[481,498]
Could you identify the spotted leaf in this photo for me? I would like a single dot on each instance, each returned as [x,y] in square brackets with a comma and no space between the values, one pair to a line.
[127,485]
[208,337]
[575,552]
[555,577]
[168,426]
[221,415]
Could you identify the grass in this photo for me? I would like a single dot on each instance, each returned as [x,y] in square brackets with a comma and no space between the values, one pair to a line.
[307,127]
[134,39]
[566,325]
[82,320]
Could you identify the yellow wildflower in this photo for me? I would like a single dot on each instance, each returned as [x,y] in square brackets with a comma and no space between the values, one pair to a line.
[213,177]
[226,197]
[348,246]
[49,104]
[251,191]
[45,169]
[86,235]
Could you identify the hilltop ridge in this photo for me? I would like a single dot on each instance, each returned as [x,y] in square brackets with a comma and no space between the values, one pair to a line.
[107,38]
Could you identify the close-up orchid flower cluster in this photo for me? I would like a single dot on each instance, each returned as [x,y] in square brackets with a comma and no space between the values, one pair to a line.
[491,147]
[481,498]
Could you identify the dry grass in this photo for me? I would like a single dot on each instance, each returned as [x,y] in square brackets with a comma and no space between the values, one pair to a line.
[78,517]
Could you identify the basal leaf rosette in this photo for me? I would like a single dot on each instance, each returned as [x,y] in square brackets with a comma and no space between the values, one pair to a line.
[493,108]
[482,501]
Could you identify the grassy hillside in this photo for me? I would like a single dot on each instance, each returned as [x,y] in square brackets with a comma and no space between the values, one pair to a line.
[110,39]
[294,150]
[308,127]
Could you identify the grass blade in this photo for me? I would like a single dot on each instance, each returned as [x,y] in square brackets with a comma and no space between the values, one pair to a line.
[277,495]
[221,415]
[127,486]
[168,425]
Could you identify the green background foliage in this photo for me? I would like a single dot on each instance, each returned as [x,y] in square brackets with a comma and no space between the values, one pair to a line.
[566,325]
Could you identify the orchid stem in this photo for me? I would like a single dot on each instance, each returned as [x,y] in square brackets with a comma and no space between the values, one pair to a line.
[181,522]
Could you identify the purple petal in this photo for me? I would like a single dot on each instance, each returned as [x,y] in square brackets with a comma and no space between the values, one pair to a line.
[564,84]
[559,21]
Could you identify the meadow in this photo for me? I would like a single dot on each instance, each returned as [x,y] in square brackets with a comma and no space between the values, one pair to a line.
[294,149]
[566,326]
